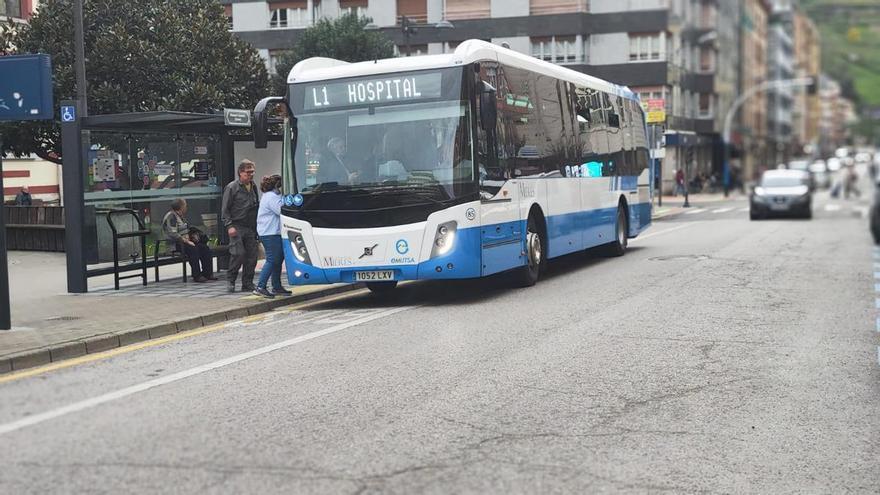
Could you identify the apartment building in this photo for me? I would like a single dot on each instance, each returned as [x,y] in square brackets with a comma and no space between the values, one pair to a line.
[781,66]
[751,135]
[808,55]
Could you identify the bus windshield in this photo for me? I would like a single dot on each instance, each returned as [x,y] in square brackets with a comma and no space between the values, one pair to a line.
[420,143]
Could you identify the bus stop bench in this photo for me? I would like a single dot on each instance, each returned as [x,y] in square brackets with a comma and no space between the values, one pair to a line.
[173,255]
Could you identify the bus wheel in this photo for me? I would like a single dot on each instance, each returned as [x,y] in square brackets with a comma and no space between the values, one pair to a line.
[381,287]
[618,247]
[527,275]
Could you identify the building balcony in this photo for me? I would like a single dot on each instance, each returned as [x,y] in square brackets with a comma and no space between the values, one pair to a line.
[545,7]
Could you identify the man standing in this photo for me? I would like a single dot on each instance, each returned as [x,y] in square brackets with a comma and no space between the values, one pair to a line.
[240,205]
[24,197]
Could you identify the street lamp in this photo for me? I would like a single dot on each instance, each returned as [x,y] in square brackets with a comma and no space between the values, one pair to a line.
[408,27]
[728,119]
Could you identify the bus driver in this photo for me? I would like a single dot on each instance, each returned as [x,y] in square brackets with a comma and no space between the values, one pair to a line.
[334,168]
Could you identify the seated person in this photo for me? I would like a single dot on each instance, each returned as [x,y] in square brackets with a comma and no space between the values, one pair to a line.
[334,167]
[190,241]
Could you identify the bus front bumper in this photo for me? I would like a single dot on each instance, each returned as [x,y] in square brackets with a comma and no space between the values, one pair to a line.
[462,261]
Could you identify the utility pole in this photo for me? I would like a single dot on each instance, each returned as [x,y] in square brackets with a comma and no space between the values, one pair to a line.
[731,113]
[5,313]
[79,46]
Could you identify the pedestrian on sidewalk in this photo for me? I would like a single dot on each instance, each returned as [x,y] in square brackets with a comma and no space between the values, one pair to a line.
[679,183]
[239,215]
[850,181]
[23,198]
[269,230]
[190,241]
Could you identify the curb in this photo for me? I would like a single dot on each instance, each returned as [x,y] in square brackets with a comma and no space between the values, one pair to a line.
[111,340]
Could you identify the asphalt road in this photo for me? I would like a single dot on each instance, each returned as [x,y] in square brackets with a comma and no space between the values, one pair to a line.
[718,355]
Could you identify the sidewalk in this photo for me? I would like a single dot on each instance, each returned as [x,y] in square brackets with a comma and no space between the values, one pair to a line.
[673,205]
[50,325]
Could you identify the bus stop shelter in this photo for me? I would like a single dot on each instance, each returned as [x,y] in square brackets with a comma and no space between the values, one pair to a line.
[138,161]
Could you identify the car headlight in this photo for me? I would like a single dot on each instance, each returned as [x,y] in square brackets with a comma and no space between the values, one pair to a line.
[298,246]
[444,239]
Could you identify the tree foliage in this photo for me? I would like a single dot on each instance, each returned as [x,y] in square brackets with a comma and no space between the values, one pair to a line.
[343,39]
[140,56]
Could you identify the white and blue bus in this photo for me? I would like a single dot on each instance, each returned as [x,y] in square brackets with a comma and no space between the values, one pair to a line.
[456,166]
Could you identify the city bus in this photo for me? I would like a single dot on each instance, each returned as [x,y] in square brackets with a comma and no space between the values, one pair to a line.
[455,166]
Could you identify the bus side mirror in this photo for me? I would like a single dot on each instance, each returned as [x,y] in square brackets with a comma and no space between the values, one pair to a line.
[488,108]
[261,120]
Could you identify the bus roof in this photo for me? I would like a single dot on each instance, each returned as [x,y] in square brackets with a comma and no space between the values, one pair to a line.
[320,69]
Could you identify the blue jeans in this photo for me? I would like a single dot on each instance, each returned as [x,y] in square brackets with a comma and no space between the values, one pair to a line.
[274,260]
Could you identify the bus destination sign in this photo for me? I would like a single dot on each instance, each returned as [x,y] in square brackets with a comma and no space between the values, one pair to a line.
[388,89]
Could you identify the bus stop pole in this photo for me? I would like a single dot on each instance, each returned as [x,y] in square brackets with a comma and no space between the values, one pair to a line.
[73,172]
[5,313]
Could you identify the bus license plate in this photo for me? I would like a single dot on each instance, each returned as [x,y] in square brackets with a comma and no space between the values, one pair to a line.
[373,276]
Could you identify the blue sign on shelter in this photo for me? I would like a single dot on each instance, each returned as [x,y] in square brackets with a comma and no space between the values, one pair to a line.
[26,87]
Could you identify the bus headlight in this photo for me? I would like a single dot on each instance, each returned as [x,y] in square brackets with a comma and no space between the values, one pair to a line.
[298,246]
[444,239]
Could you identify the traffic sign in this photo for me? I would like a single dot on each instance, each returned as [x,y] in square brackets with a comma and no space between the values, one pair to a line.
[68,113]
[237,117]
[26,87]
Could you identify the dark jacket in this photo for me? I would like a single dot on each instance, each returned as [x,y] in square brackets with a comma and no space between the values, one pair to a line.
[23,199]
[240,206]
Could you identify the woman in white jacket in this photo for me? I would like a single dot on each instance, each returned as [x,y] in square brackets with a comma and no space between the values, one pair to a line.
[269,230]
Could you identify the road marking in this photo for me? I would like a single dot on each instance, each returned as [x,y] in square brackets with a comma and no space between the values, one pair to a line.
[878,354]
[744,210]
[722,210]
[698,210]
[877,303]
[832,207]
[878,324]
[142,387]
[673,229]
[89,358]
[876,286]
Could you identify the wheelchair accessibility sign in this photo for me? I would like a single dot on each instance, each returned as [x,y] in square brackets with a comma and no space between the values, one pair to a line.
[68,113]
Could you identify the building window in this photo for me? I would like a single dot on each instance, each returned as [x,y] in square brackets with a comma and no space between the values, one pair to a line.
[645,46]
[707,59]
[707,107]
[228,10]
[10,8]
[279,19]
[358,11]
[285,18]
[558,49]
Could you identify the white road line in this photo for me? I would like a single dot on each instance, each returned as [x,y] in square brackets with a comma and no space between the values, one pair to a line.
[878,324]
[876,287]
[697,210]
[877,303]
[142,387]
[832,207]
[673,229]
[722,210]
[878,354]
[744,210]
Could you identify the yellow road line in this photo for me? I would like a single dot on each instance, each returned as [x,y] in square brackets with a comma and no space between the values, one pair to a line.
[89,358]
